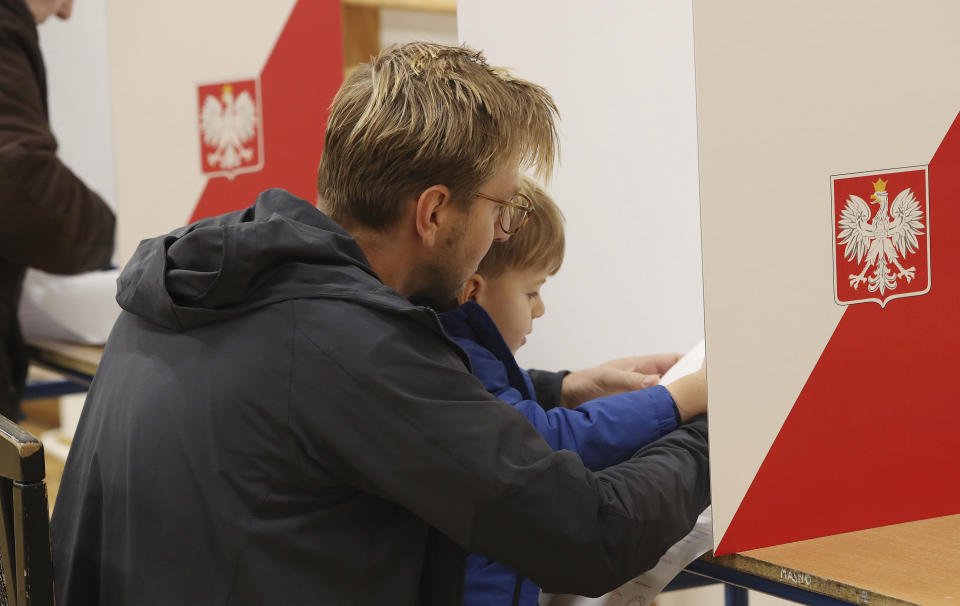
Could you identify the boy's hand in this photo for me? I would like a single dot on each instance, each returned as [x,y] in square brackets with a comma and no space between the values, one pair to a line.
[690,394]
[616,376]
[655,364]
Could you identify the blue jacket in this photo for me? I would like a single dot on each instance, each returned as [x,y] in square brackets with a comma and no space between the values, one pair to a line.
[603,432]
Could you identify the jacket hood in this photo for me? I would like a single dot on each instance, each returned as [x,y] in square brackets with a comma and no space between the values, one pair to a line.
[280,248]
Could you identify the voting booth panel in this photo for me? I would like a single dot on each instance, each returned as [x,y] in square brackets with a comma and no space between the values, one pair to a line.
[829,154]
[621,73]
[214,102]
[825,153]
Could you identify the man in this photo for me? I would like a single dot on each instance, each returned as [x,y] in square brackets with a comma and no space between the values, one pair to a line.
[50,219]
[274,422]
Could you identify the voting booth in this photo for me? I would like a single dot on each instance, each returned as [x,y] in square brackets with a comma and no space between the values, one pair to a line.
[815,149]
[829,153]
[192,108]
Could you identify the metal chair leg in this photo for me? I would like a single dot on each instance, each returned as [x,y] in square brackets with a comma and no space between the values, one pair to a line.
[735,596]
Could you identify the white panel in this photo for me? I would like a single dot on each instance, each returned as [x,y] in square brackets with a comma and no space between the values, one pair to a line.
[78,91]
[159,53]
[786,98]
[622,75]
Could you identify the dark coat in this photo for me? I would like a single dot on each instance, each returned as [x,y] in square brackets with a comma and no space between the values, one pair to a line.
[48,218]
[271,424]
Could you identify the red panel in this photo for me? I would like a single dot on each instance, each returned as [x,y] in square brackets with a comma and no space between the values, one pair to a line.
[298,84]
[871,439]
[230,137]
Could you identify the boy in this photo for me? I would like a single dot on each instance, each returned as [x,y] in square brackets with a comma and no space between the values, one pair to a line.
[497,307]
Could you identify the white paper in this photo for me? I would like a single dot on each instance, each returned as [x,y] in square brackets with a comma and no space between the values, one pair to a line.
[643,589]
[77,309]
[688,364]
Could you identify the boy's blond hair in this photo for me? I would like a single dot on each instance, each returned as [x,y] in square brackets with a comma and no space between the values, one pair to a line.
[424,114]
[539,244]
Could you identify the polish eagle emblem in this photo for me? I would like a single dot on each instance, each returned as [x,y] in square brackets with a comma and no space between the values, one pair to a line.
[881,242]
[228,126]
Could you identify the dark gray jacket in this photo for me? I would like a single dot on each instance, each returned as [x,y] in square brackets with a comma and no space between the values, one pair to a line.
[271,424]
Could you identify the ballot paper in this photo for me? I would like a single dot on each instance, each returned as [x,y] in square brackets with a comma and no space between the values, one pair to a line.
[77,309]
[686,365]
[643,589]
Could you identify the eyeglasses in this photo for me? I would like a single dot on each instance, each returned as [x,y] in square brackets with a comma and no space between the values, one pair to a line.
[513,213]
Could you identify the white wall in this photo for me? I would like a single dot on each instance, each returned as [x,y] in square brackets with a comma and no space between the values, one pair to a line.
[75,55]
[621,72]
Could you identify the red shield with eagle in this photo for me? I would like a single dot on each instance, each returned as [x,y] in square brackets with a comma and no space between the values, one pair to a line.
[881,233]
[231,129]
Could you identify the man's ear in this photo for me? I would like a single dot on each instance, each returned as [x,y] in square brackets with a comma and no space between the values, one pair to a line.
[433,205]
[471,289]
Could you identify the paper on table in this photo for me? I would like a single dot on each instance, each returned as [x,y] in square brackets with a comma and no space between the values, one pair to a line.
[643,589]
[78,309]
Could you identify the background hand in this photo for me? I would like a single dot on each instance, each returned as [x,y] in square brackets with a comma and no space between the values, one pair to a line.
[655,364]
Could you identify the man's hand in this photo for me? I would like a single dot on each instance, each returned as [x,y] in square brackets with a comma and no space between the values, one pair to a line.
[616,376]
[690,394]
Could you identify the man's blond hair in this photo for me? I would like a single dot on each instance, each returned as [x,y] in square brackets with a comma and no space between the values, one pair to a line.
[538,245]
[423,114]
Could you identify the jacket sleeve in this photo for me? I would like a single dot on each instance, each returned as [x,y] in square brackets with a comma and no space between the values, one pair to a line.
[548,386]
[50,219]
[407,422]
[606,430]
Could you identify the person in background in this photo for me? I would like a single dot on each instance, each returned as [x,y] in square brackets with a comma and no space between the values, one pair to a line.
[495,314]
[49,219]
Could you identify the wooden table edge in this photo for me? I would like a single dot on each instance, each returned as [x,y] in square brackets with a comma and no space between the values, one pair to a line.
[797,578]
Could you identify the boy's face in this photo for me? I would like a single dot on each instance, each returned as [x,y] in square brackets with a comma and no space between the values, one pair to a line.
[513,301]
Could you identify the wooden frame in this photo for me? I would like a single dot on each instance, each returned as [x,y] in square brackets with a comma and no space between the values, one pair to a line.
[361,24]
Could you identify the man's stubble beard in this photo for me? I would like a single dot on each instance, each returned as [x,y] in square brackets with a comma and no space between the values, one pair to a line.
[443,275]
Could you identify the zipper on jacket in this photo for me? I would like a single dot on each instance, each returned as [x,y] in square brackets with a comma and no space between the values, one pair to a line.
[516,591]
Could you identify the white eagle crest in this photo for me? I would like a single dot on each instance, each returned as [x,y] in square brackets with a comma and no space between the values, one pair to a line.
[228,126]
[885,240]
